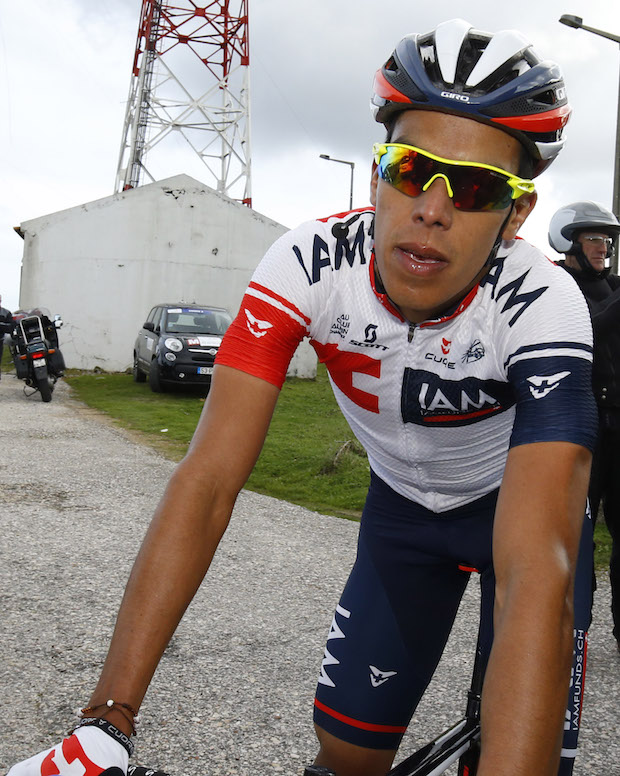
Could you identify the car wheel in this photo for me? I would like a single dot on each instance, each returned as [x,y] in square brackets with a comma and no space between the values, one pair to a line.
[154,378]
[138,376]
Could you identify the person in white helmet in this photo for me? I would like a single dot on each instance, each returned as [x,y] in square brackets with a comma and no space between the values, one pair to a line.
[452,358]
[587,233]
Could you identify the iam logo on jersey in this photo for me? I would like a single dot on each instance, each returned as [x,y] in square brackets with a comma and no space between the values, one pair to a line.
[335,632]
[428,400]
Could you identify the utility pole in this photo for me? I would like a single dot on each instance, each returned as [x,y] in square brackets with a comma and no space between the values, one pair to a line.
[190,79]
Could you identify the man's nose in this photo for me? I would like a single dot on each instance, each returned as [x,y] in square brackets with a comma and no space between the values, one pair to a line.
[433,206]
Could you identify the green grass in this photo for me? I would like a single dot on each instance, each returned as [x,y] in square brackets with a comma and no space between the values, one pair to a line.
[602,541]
[315,462]
[310,456]
[7,364]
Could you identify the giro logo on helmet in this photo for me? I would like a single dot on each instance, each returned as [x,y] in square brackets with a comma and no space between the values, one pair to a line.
[452,96]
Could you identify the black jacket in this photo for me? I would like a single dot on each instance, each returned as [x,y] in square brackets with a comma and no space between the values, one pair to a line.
[6,322]
[603,298]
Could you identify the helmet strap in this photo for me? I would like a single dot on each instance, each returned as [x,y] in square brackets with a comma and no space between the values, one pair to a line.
[587,269]
[498,239]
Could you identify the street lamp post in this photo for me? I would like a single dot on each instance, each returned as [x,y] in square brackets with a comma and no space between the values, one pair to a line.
[577,23]
[351,165]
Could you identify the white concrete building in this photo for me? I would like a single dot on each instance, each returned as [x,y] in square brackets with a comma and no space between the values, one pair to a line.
[103,265]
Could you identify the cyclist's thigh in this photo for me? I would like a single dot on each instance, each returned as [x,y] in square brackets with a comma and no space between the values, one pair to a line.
[392,622]
[371,677]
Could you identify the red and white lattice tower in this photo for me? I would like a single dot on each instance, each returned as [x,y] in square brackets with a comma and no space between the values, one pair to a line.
[190,77]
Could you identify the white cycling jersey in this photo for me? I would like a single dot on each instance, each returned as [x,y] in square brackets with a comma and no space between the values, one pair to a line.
[438,404]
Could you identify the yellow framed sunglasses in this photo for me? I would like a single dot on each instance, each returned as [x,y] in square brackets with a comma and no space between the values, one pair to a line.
[470,185]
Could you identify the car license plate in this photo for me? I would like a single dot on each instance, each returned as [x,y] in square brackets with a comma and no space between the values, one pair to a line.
[205,370]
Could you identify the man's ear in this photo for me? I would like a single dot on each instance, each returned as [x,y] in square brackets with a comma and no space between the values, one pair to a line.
[523,207]
[373,184]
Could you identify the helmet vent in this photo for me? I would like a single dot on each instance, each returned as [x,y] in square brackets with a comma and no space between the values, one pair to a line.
[391,65]
[430,64]
[524,106]
[473,48]
[547,98]
[427,55]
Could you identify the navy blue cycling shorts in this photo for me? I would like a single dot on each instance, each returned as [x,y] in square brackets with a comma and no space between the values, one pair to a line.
[397,610]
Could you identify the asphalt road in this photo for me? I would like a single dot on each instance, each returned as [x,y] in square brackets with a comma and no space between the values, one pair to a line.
[233,695]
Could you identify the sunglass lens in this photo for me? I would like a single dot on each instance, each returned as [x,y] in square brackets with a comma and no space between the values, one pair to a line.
[406,170]
[474,188]
[479,189]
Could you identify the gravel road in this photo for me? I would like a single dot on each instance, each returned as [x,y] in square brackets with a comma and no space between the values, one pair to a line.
[233,695]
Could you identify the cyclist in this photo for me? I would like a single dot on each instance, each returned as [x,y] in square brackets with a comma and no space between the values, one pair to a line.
[587,233]
[450,355]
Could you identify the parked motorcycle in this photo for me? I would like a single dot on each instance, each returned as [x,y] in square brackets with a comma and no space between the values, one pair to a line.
[35,352]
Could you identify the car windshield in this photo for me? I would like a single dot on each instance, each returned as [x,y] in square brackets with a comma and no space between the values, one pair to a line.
[196,321]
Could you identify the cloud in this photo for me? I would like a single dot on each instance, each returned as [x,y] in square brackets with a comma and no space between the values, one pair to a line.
[66,72]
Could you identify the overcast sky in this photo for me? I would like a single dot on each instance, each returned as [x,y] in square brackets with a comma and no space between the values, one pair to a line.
[65,73]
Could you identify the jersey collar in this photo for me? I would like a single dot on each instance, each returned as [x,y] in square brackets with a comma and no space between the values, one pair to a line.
[384,299]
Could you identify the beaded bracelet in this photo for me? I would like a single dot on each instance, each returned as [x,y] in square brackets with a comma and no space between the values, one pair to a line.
[133,720]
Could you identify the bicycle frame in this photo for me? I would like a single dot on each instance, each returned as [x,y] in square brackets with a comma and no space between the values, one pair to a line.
[460,742]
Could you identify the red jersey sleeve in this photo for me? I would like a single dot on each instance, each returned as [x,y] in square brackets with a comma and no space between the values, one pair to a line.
[264,335]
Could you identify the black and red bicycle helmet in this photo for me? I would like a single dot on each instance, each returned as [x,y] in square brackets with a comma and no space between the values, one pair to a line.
[496,78]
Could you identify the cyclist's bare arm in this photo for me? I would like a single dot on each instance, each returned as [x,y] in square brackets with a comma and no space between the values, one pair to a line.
[184,533]
[535,542]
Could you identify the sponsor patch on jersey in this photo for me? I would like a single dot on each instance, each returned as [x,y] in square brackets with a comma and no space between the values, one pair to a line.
[341,325]
[326,257]
[429,400]
[475,352]
[541,385]
[256,327]
[370,339]
[335,632]
[379,677]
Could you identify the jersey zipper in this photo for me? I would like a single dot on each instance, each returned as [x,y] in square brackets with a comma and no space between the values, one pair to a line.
[411,332]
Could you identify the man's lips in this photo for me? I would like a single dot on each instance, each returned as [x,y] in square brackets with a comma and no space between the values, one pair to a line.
[420,259]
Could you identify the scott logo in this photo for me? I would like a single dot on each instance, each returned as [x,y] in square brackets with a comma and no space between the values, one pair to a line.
[255,326]
[453,96]
[370,333]
[370,339]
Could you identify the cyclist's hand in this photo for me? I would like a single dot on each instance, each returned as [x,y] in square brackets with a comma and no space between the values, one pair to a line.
[87,752]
